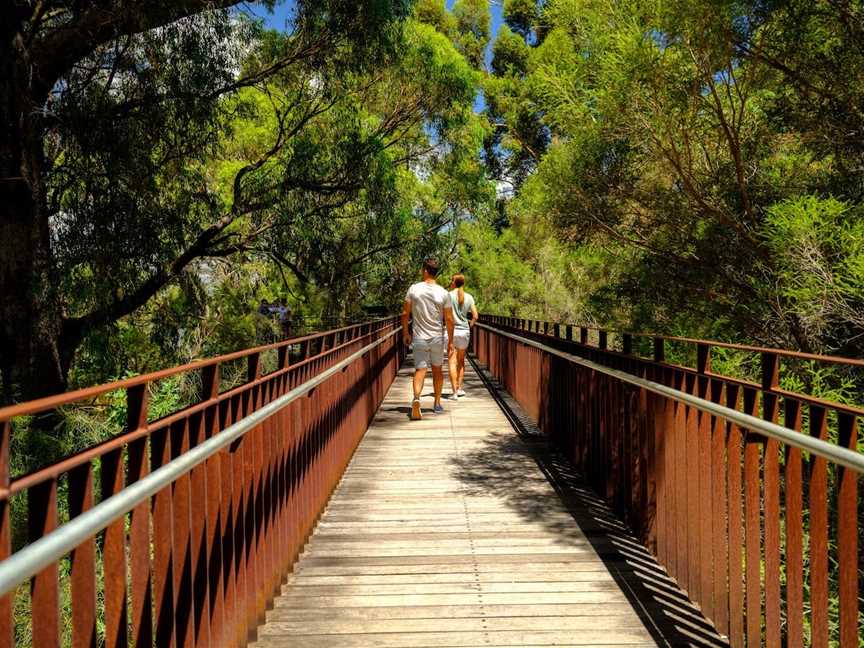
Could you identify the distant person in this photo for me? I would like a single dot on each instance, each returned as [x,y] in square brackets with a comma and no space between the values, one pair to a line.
[284,312]
[263,330]
[464,316]
[428,305]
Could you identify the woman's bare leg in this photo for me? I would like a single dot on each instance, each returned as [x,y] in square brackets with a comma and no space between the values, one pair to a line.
[460,362]
[452,369]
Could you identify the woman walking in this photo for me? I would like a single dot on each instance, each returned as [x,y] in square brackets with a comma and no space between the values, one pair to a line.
[464,317]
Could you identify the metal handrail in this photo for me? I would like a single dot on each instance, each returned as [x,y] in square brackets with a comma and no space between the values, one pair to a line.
[35,557]
[785,353]
[52,402]
[833,453]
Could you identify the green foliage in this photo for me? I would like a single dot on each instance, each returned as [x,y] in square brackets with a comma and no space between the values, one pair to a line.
[521,16]
[509,54]
[435,13]
[665,133]
[818,248]
[472,29]
[319,183]
[525,271]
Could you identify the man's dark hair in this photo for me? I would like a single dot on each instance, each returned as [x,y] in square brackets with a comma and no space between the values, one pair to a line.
[431,266]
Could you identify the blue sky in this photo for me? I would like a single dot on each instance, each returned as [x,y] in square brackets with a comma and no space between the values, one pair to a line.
[280,16]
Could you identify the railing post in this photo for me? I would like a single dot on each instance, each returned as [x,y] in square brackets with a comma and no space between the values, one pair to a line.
[659,349]
[602,342]
[210,377]
[556,330]
[583,335]
[703,357]
[627,343]
[253,369]
[283,357]
[569,332]
[770,370]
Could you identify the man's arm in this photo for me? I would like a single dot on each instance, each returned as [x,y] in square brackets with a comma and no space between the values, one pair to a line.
[406,313]
[448,320]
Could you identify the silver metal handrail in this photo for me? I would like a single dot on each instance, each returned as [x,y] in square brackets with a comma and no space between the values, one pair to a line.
[48,549]
[833,453]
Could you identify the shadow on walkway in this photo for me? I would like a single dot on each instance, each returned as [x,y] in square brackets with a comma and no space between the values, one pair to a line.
[497,468]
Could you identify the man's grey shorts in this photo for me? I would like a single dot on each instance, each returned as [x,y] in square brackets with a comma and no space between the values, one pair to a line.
[428,352]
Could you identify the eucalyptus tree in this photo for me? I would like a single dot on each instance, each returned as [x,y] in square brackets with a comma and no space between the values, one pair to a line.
[697,143]
[367,183]
[108,111]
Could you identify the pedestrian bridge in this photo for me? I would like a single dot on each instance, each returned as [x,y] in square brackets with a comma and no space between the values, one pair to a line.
[594,489]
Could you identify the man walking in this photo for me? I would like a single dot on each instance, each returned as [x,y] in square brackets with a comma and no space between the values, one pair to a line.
[428,304]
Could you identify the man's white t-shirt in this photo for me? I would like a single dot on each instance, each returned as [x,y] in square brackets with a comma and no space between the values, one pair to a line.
[428,301]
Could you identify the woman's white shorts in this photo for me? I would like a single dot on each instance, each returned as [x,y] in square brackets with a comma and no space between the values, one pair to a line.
[461,338]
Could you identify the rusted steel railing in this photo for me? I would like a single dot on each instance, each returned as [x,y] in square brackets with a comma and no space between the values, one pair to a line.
[756,519]
[212,504]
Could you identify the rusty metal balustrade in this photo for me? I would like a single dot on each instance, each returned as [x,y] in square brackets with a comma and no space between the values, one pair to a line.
[199,515]
[743,511]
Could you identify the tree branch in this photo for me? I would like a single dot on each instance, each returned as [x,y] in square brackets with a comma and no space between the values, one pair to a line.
[54,53]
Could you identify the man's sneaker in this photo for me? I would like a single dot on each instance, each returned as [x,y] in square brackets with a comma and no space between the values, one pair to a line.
[439,409]
[461,392]
[415,410]
[454,396]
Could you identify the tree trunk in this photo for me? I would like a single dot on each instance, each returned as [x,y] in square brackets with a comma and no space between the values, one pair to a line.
[30,311]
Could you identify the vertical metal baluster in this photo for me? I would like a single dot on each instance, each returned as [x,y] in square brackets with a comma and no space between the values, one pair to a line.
[770,412]
[847,534]
[736,521]
[114,556]
[794,522]
[163,549]
[83,561]
[44,586]
[753,444]
[216,578]
[139,528]
[818,501]
[184,592]
[706,487]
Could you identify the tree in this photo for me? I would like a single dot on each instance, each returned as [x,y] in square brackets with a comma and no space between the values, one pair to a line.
[679,133]
[518,137]
[380,166]
[108,110]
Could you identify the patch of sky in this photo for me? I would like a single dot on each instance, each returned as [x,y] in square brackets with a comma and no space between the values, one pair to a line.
[280,17]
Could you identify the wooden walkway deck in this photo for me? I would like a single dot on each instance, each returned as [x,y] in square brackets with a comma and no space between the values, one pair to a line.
[458,531]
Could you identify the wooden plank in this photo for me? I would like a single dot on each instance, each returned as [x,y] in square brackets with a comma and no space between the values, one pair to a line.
[464,586]
[353,626]
[449,611]
[453,639]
